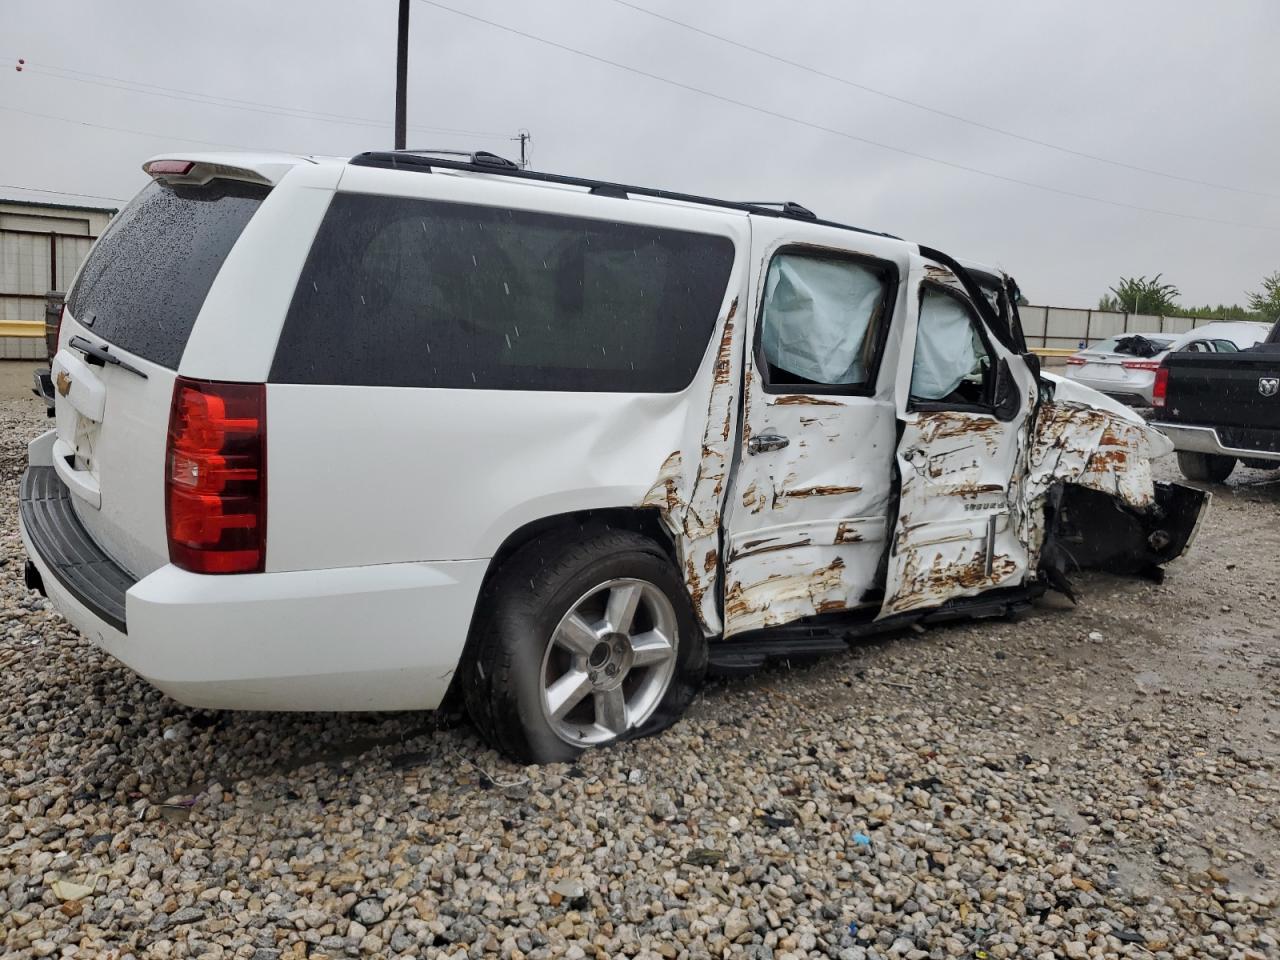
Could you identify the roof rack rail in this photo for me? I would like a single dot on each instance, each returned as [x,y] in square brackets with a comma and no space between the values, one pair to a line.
[424,161]
[789,208]
[481,158]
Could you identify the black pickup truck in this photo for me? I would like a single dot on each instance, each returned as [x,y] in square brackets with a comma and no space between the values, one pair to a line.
[1221,408]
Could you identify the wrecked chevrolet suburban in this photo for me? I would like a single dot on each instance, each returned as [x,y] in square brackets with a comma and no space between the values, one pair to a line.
[401,430]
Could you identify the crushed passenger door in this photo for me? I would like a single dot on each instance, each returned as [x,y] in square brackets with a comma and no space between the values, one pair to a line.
[807,511]
[964,403]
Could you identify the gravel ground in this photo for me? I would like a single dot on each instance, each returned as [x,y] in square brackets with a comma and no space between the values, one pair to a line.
[1097,780]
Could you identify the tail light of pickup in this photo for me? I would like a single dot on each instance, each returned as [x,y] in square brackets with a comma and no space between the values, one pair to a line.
[216,477]
[1160,389]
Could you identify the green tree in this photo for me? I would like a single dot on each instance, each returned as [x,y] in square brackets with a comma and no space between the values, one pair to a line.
[1140,295]
[1267,303]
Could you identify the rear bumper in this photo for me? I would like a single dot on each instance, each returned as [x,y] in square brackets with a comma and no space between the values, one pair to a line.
[385,637]
[1135,391]
[1208,440]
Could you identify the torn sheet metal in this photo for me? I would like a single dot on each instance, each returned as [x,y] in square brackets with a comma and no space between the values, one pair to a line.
[1091,447]
[691,506]
[1089,473]
[959,510]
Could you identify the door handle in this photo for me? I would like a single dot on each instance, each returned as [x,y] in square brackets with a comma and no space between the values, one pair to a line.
[765,442]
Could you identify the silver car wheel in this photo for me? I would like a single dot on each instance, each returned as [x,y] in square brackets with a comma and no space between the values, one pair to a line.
[609,662]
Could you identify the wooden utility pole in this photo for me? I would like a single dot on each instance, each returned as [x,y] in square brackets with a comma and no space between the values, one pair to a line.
[402,72]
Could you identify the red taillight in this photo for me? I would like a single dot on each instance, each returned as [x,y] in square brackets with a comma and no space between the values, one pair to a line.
[1076,361]
[169,168]
[1141,364]
[216,476]
[1160,389]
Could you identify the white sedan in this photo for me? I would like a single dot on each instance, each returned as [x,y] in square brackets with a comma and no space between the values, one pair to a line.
[1125,366]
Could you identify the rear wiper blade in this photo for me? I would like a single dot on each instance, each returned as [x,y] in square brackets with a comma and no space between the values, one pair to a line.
[102,354]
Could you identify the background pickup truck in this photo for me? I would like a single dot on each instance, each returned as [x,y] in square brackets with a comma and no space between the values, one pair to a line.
[1221,408]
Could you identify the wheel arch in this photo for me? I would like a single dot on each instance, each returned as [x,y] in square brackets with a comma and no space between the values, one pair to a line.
[646,521]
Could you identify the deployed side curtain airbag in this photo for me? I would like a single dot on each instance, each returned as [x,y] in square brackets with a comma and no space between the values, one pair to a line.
[816,314]
[947,347]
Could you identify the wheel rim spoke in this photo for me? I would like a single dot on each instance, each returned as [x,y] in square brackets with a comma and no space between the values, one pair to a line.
[567,692]
[611,710]
[576,635]
[621,609]
[650,649]
[615,648]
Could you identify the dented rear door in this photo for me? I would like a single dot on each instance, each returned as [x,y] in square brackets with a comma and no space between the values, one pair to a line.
[808,507]
[964,403]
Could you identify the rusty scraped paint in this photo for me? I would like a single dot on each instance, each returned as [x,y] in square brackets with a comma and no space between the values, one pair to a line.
[724,356]
[753,548]
[694,583]
[922,587]
[767,602]
[665,492]
[951,425]
[804,400]
[847,532]
[1093,448]
[971,490]
[821,490]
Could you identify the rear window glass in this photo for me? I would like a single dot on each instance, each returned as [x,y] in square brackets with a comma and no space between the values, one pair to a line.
[417,293]
[1109,345]
[149,273]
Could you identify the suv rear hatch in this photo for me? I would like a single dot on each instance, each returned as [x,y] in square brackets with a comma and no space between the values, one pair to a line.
[127,322]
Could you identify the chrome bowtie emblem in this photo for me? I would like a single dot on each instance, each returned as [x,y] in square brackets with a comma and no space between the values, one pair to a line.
[1269,386]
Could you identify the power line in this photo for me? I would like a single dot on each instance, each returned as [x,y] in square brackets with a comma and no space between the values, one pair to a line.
[270,109]
[140,133]
[61,193]
[765,111]
[935,110]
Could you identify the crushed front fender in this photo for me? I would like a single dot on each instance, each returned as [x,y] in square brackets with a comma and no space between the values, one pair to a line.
[1092,500]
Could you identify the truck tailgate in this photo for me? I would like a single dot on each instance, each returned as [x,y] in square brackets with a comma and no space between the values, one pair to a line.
[1232,390]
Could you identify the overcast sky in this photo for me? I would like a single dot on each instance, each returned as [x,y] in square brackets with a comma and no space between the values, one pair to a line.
[1182,88]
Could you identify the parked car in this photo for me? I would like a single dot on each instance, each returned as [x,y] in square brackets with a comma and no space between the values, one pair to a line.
[1125,366]
[370,434]
[1222,409]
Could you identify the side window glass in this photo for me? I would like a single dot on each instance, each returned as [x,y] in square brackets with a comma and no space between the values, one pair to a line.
[822,322]
[1226,346]
[953,364]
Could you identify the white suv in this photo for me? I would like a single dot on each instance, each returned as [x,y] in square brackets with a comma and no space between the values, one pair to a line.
[359,435]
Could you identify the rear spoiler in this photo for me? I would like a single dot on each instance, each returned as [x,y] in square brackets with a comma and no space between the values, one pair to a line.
[196,169]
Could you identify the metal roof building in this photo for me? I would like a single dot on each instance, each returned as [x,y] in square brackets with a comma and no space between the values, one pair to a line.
[41,247]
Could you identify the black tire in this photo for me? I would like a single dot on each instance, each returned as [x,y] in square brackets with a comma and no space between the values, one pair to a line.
[518,611]
[1206,467]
